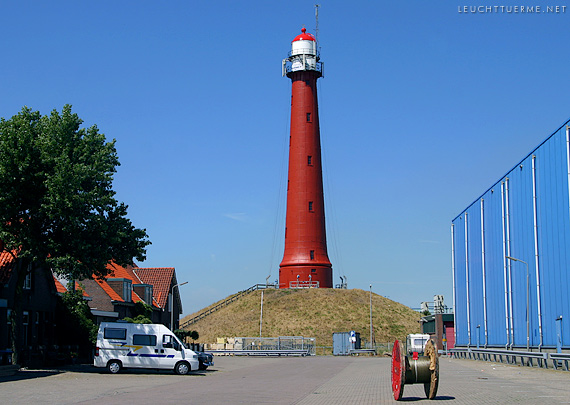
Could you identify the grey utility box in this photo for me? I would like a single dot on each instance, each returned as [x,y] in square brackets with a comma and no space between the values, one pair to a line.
[343,342]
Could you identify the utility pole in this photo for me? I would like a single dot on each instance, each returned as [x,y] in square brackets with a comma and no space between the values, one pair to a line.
[261,315]
[371,317]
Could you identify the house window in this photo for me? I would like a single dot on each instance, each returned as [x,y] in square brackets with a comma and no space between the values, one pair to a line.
[144,340]
[148,295]
[127,290]
[308,117]
[115,333]
[310,160]
[310,206]
[25,323]
[9,317]
[312,254]
[28,281]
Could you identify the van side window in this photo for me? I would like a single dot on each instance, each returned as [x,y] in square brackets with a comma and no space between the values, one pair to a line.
[144,340]
[114,333]
[169,342]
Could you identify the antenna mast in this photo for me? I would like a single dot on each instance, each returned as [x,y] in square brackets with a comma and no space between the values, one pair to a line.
[317,26]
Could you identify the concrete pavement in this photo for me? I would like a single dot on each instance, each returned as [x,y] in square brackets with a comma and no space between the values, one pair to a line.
[305,381]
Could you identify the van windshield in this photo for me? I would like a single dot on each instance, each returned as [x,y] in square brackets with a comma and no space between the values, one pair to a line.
[420,343]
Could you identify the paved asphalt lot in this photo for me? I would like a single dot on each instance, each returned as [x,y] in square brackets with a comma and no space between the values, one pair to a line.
[308,380]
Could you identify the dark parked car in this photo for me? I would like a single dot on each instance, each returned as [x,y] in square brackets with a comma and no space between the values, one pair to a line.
[205,360]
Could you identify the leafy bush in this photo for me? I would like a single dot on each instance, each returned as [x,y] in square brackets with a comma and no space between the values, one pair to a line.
[138,319]
[142,313]
[76,321]
[182,334]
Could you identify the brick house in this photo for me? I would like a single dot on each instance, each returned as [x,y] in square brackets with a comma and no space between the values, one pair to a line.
[110,299]
[163,279]
[37,319]
[114,297]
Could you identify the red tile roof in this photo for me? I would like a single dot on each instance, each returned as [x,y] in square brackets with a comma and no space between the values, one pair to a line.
[107,288]
[80,287]
[161,278]
[6,266]
[58,286]
[62,289]
[125,272]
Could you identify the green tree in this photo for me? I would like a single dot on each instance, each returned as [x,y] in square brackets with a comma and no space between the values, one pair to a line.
[76,325]
[57,206]
[138,319]
[142,313]
[183,333]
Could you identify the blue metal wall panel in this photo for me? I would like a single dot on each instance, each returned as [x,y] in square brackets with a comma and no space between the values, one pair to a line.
[461,337]
[538,231]
[474,247]
[494,265]
[521,244]
[554,236]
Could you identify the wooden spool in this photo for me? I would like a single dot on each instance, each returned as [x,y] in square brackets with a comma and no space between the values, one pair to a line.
[415,369]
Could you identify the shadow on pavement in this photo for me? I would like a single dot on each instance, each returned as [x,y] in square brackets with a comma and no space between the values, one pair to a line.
[27,374]
[437,398]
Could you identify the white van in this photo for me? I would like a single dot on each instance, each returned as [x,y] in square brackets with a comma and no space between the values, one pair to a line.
[122,345]
[416,342]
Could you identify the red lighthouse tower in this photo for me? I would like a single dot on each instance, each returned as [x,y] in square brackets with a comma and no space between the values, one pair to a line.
[305,260]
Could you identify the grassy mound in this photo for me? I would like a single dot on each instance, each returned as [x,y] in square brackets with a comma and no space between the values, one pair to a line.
[314,312]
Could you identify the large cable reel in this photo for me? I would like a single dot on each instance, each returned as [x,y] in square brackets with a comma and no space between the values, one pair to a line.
[415,369]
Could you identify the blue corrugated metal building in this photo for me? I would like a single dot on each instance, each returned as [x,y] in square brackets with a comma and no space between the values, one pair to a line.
[511,255]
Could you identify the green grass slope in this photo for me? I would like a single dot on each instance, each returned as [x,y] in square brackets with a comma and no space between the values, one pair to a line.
[314,313]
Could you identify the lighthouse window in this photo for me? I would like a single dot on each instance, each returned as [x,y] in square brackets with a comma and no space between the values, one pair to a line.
[312,254]
[308,117]
[309,160]
[311,206]
[313,270]
[308,82]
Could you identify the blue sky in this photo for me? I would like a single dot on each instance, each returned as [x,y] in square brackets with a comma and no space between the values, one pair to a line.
[422,108]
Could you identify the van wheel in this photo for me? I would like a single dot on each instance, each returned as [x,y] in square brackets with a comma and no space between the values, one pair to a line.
[114,366]
[182,368]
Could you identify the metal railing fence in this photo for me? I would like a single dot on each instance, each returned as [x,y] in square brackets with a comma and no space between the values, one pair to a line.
[303,284]
[274,346]
[542,359]
[226,302]
[279,343]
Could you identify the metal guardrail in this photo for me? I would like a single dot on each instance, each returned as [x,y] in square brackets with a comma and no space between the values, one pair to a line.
[361,351]
[278,353]
[226,302]
[559,360]
[303,284]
